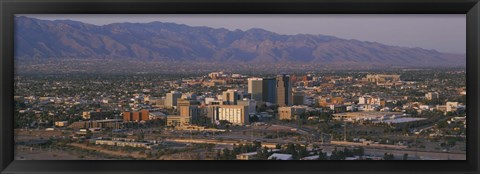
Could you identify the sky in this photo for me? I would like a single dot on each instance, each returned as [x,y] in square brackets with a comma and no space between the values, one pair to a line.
[441,32]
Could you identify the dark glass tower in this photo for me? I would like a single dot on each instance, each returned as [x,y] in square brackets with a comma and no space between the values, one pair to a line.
[269,90]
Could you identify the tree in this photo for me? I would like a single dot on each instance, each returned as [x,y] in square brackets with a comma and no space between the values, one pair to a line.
[303,152]
[359,151]
[347,152]
[218,156]
[388,156]
[290,148]
[253,119]
[278,146]
[322,156]
[263,154]
[141,136]
[89,133]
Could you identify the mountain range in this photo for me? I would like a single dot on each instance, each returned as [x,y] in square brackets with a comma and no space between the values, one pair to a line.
[37,39]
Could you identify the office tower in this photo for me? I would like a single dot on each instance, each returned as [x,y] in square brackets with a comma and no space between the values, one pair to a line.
[212,113]
[269,90]
[284,90]
[251,104]
[230,97]
[255,88]
[188,108]
[171,99]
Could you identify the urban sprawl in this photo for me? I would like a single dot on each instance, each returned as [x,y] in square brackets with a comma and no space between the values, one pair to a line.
[407,114]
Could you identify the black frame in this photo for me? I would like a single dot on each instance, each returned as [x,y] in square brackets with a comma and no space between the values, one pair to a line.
[10,7]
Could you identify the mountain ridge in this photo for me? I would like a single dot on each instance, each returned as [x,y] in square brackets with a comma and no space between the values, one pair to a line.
[158,41]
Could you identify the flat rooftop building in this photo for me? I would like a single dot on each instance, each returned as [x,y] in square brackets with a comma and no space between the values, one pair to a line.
[376,117]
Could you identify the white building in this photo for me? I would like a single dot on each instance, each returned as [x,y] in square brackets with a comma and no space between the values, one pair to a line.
[235,114]
[209,100]
[280,156]
[452,106]
[369,100]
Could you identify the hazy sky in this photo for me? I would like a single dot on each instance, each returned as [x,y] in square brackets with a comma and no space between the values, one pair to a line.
[445,32]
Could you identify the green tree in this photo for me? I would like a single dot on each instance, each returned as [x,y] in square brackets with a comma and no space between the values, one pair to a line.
[360,151]
[388,156]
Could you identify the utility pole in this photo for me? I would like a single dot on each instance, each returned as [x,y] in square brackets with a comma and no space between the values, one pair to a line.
[345,131]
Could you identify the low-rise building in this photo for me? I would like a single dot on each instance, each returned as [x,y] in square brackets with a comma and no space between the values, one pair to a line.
[291,112]
[108,123]
[451,106]
[178,121]
[61,123]
[136,116]
[280,156]
[247,156]
[431,95]
[352,116]
[124,143]
[95,115]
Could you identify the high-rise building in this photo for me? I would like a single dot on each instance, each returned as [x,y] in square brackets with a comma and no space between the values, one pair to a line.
[269,90]
[251,104]
[171,99]
[188,108]
[230,97]
[235,114]
[212,112]
[284,90]
[255,88]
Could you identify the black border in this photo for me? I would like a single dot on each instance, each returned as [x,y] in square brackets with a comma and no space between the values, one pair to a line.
[10,7]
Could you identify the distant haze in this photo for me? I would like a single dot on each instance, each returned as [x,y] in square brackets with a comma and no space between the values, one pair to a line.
[444,33]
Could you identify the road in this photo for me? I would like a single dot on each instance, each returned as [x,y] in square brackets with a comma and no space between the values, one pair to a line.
[368,150]
[418,154]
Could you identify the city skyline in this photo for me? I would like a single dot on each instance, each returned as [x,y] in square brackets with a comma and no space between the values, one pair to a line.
[167,91]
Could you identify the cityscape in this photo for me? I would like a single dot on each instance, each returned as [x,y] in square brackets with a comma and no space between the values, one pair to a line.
[246,110]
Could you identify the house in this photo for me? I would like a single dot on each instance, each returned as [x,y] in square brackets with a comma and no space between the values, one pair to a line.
[247,156]
[280,156]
